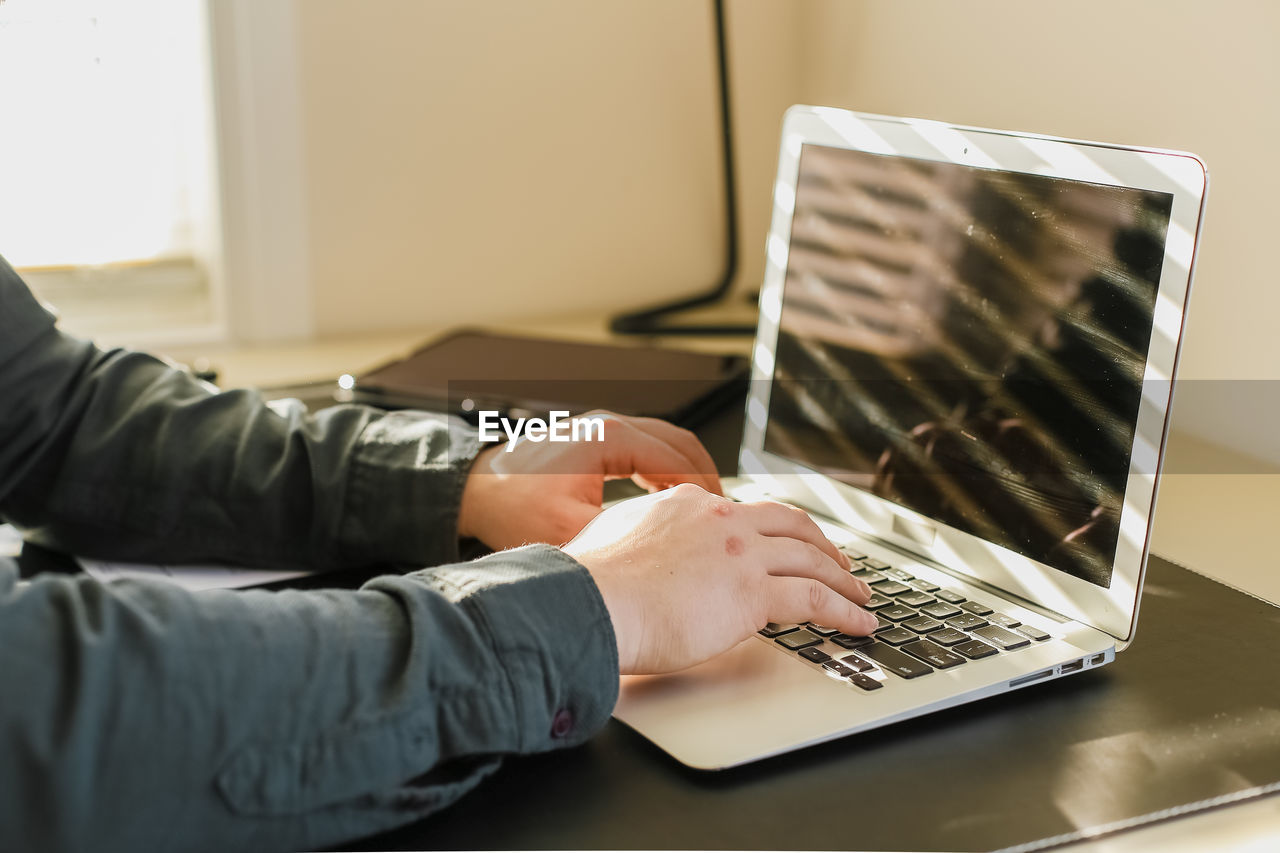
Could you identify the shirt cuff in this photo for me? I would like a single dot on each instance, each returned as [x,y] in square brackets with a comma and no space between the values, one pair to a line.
[550,633]
[404,488]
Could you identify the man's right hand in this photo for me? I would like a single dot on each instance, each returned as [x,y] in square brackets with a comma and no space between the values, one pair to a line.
[687,575]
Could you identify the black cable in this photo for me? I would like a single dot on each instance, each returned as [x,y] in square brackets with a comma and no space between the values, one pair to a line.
[647,321]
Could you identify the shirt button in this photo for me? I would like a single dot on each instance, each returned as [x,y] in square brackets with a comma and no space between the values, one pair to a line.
[562,723]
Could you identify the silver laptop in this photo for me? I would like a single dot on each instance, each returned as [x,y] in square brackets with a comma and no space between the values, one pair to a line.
[963,370]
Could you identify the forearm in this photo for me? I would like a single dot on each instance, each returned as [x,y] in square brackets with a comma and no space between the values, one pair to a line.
[153,718]
[117,454]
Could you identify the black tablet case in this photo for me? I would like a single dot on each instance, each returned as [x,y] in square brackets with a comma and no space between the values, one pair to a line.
[471,371]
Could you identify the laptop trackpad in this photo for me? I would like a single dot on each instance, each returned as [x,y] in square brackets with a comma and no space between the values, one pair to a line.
[755,700]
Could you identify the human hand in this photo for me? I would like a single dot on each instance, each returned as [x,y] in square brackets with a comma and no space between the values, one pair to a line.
[686,575]
[545,492]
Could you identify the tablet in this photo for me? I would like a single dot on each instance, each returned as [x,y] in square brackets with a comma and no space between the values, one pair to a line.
[472,370]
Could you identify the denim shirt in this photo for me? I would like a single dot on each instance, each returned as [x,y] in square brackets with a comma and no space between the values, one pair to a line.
[135,715]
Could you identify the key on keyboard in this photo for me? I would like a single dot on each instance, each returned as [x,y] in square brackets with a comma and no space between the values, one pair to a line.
[897,613]
[916,599]
[966,622]
[797,640]
[895,636]
[999,636]
[933,653]
[850,641]
[895,661]
[1032,632]
[857,663]
[815,654]
[838,668]
[940,610]
[948,637]
[923,624]
[866,682]
[975,649]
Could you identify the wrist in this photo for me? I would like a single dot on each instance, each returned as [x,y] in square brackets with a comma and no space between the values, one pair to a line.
[475,496]
[621,610]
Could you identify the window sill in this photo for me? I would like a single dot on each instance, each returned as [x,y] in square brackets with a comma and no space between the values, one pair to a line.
[141,305]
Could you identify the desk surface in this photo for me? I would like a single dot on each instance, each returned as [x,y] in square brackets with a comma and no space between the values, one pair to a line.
[1190,713]
[1188,716]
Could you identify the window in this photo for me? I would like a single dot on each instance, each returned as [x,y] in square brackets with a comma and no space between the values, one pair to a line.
[106,179]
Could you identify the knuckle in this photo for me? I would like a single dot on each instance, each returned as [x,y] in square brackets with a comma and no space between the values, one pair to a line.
[806,520]
[716,507]
[611,425]
[817,557]
[815,596]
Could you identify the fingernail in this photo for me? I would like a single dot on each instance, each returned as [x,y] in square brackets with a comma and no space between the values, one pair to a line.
[869,619]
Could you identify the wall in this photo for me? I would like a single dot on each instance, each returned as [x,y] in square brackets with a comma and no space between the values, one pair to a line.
[466,162]
[1181,74]
[458,162]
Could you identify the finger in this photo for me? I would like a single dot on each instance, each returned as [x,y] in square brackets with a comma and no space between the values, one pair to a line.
[698,468]
[777,519]
[632,452]
[807,600]
[700,461]
[784,557]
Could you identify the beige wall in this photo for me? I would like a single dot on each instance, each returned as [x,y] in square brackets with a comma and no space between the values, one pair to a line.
[467,162]
[1186,74]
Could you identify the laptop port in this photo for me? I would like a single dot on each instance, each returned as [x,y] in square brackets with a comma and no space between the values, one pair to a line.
[1097,660]
[1027,679]
[1074,666]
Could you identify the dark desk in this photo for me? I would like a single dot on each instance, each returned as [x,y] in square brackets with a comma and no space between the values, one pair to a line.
[1190,712]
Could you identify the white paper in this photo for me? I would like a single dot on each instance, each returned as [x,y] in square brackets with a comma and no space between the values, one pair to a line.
[10,541]
[191,577]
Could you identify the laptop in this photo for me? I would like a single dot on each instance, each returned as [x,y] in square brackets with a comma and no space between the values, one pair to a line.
[963,370]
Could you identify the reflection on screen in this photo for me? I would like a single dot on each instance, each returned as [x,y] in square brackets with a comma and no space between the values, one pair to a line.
[970,344]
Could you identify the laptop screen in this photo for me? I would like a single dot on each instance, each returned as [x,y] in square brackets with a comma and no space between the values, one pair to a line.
[970,344]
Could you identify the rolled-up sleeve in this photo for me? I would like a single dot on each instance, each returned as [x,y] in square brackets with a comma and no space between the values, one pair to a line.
[136,715]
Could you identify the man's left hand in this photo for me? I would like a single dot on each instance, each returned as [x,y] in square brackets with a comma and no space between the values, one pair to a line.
[547,492]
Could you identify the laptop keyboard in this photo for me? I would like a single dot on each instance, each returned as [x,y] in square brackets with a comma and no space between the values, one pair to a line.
[923,628]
